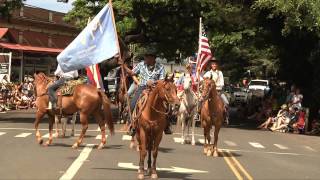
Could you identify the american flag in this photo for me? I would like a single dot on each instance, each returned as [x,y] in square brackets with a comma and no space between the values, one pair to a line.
[204,52]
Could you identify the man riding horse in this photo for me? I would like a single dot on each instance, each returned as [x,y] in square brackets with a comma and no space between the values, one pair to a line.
[149,72]
[63,77]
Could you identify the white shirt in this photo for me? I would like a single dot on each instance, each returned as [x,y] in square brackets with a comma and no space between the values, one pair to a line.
[67,75]
[217,77]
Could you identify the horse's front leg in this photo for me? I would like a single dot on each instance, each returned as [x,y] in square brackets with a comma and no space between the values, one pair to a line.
[143,153]
[56,124]
[193,141]
[182,119]
[39,116]
[157,141]
[51,122]
[84,123]
[64,121]
[216,134]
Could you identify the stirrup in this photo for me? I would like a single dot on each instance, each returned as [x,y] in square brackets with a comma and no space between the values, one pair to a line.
[49,106]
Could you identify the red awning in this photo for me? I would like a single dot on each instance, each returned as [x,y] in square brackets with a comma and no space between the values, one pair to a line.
[3,31]
[33,49]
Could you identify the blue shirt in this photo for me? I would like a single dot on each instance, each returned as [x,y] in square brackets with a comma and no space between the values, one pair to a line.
[146,74]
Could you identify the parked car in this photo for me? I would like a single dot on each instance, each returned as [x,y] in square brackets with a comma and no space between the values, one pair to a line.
[259,87]
[241,95]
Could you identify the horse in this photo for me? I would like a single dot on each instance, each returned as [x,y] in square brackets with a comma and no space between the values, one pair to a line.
[150,114]
[86,99]
[187,111]
[212,113]
[122,99]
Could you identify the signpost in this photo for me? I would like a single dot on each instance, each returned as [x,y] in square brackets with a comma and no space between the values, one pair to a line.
[5,65]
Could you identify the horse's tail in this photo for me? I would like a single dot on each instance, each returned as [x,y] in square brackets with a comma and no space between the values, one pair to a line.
[107,111]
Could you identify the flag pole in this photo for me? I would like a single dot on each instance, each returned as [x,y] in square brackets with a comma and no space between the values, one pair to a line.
[197,68]
[122,65]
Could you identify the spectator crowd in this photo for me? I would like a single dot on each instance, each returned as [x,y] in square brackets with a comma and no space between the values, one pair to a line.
[15,96]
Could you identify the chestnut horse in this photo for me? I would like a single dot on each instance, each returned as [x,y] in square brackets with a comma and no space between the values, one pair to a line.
[212,113]
[151,117]
[86,99]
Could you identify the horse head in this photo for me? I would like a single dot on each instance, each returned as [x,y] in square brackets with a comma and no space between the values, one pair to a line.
[41,82]
[187,82]
[208,86]
[168,91]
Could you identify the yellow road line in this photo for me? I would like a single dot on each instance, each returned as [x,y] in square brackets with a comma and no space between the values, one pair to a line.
[231,165]
[240,166]
[235,166]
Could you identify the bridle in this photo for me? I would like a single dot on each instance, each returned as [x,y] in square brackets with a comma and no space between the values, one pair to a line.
[206,97]
[165,103]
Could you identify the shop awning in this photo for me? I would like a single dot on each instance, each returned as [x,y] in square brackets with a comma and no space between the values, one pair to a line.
[3,31]
[33,49]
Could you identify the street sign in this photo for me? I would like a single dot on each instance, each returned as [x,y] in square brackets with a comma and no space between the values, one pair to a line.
[5,65]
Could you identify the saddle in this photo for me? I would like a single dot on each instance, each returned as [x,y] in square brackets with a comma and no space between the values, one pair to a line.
[66,90]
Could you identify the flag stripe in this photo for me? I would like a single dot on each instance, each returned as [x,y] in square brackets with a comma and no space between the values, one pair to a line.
[204,52]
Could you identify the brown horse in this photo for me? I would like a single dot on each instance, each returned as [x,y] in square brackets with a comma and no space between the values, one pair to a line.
[151,122]
[122,98]
[212,113]
[86,99]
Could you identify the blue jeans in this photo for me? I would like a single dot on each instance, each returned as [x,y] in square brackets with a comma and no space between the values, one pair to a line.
[53,87]
[135,98]
[131,89]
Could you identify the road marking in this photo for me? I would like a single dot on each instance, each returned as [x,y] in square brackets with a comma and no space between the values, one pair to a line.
[46,135]
[126,137]
[172,169]
[23,135]
[235,166]
[230,143]
[177,140]
[2,133]
[75,166]
[280,146]
[201,141]
[231,165]
[100,137]
[256,145]
[310,148]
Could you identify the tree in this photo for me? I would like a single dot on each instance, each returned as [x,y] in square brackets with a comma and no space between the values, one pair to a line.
[7,7]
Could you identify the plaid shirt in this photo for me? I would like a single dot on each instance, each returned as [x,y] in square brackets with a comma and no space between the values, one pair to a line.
[145,74]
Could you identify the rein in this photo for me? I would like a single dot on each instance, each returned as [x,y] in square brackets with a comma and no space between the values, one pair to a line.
[158,111]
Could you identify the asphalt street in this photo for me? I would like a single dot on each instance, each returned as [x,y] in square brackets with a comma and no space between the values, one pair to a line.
[245,153]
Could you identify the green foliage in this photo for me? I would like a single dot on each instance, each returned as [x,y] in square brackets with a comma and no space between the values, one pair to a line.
[7,7]
[300,14]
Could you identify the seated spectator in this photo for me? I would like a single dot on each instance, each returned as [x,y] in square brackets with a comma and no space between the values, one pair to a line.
[298,127]
[271,120]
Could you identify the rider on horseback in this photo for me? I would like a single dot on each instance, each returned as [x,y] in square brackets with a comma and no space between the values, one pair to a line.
[62,78]
[149,71]
[217,76]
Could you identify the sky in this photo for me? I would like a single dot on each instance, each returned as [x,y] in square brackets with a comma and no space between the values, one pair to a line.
[51,5]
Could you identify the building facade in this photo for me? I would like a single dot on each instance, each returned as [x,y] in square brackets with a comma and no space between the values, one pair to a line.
[35,37]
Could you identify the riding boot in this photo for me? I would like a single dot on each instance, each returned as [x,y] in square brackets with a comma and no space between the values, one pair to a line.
[168,129]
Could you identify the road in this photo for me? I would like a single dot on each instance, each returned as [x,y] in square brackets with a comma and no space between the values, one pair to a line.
[245,153]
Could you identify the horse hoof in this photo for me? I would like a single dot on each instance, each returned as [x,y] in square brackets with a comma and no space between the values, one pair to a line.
[205,150]
[101,146]
[140,176]
[131,145]
[41,141]
[209,153]
[154,176]
[215,154]
[75,146]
